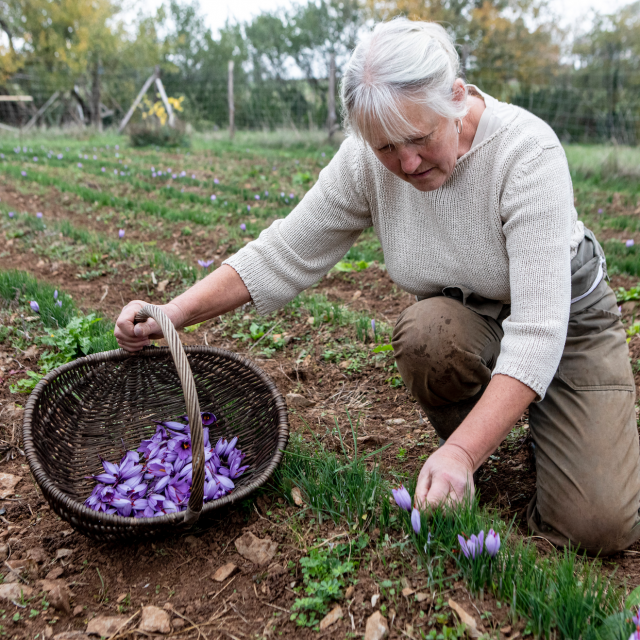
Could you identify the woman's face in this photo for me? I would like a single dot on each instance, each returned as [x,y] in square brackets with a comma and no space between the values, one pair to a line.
[427,161]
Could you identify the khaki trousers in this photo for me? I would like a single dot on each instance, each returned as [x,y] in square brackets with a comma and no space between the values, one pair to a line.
[584,430]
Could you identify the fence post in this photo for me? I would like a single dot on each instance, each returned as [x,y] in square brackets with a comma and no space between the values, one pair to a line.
[150,80]
[232,109]
[332,96]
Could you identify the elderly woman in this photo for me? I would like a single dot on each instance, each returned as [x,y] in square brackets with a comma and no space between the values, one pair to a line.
[472,202]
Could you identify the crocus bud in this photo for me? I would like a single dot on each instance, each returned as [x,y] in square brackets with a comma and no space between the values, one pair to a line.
[492,543]
[402,498]
[34,306]
[243,227]
[415,520]
[121,233]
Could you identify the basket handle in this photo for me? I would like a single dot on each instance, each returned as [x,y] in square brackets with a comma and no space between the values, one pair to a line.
[185,374]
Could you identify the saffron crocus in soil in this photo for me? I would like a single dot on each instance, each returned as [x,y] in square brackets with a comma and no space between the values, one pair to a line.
[243,227]
[11,214]
[373,326]
[492,543]
[472,547]
[629,243]
[205,264]
[39,214]
[34,306]
[415,520]
[121,233]
[402,498]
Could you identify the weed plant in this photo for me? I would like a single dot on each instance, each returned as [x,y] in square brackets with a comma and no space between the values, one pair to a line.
[337,486]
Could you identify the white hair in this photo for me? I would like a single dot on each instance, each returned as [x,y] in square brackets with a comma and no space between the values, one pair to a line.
[399,60]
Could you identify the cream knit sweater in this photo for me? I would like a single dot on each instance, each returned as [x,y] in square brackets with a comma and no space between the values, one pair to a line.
[503,225]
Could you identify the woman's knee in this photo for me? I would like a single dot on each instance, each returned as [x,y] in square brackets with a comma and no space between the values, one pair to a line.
[438,345]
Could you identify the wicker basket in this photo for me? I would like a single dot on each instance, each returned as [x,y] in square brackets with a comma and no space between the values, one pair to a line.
[94,406]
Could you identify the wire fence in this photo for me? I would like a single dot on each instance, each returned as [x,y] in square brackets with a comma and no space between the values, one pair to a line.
[578,109]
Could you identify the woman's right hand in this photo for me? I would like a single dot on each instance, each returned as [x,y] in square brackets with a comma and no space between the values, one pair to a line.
[133,337]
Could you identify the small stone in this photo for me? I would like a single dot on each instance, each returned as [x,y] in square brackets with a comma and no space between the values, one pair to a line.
[256,550]
[296,494]
[192,541]
[64,553]
[48,632]
[177,623]
[12,591]
[395,421]
[348,594]
[24,567]
[374,599]
[407,591]
[37,554]
[77,610]
[121,598]
[155,620]
[420,597]
[54,574]
[8,483]
[105,626]
[162,285]
[332,617]
[297,400]
[224,572]
[59,598]
[4,551]
[377,627]
[167,606]
[506,630]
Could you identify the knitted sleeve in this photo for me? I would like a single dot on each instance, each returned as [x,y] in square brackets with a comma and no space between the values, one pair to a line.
[536,211]
[295,252]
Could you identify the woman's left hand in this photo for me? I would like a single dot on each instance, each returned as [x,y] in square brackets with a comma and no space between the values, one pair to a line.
[445,477]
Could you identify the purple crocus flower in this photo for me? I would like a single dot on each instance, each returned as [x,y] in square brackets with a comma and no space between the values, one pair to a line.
[79,165]
[34,306]
[373,326]
[629,243]
[55,294]
[193,176]
[213,197]
[216,181]
[600,211]
[292,195]
[59,156]
[11,214]
[248,207]
[58,303]
[415,520]
[121,233]
[243,227]
[207,418]
[205,264]
[102,169]
[23,174]
[257,197]
[39,214]
[402,498]
[180,445]
[492,543]
[472,547]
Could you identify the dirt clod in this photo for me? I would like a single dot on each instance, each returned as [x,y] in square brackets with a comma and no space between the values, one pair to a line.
[59,598]
[105,626]
[54,574]
[298,400]
[12,591]
[155,620]
[8,483]
[224,572]
[332,617]
[256,550]
[377,627]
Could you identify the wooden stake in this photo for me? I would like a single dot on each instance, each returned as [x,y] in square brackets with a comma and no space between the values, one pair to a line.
[232,109]
[41,110]
[150,80]
[165,100]
[332,96]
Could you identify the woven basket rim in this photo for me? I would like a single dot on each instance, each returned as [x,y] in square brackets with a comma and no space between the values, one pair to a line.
[83,513]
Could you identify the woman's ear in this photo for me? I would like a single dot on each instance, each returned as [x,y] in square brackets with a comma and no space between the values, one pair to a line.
[458,90]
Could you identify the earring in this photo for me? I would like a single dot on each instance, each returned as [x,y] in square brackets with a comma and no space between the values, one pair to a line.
[459,126]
